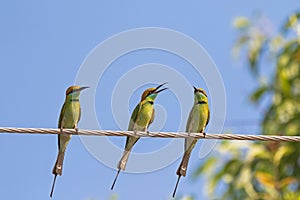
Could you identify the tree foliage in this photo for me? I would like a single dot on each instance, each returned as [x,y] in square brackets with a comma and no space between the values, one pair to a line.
[264,170]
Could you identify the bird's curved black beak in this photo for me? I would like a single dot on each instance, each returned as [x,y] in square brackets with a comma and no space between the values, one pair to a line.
[195,89]
[83,88]
[158,91]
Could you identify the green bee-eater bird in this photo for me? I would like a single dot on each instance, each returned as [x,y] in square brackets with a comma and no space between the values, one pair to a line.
[197,121]
[141,118]
[69,118]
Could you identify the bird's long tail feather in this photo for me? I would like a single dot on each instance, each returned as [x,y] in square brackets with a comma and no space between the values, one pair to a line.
[121,166]
[175,189]
[181,171]
[113,185]
[57,169]
[123,161]
[53,184]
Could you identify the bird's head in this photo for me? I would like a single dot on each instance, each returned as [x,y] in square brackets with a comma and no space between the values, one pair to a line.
[200,95]
[74,91]
[151,93]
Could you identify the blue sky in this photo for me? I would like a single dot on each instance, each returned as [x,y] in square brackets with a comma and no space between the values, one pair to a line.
[43,45]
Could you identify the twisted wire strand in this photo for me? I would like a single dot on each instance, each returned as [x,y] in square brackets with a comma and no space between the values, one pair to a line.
[151,134]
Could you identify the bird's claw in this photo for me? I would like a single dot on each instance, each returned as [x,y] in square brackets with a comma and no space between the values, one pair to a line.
[76,130]
[204,134]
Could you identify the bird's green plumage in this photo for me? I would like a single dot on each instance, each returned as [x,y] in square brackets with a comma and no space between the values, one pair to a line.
[142,116]
[133,117]
[68,118]
[197,121]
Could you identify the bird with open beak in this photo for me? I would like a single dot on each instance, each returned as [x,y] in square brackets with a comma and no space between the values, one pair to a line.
[142,116]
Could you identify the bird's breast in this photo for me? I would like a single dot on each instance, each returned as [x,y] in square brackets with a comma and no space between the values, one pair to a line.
[144,117]
[197,119]
[71,115]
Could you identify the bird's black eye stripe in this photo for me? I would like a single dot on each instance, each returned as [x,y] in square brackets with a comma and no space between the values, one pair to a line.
[150,92]
[70,92]
[74,90]
[203,93]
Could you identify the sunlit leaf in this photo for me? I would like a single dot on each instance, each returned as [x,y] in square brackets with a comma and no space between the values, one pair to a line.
[241,22]
[287,181]
[292,21]
[256,46]
[187,198]
[258,93]
[281,151]
[284,82]
[265,178]
[276,43]
[291,196]
[114,197]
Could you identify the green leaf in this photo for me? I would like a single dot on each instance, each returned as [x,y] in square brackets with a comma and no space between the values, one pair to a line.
[291,22]
[258,93]
[280,153]
[241,22]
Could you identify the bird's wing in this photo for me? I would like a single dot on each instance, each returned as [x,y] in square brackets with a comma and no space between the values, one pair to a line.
[79,114]
[189,121]
[130,141]
[78,119]
[152,117]
[134,117]
[62,114]
[188,141]
[208,117]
